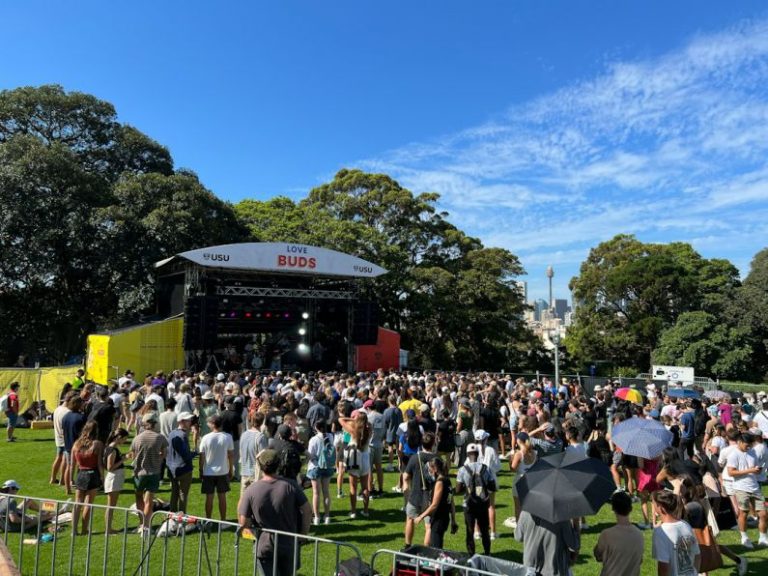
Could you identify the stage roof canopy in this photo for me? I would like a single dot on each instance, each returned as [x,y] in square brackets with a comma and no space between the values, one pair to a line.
[279,257]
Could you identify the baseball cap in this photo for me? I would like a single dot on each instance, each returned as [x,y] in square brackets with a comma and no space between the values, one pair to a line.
[150,418]
[481,435]
[368,404]
[11,484]
[221,377]
[184,416]
[423,408]
[208,395]
[410,413]
[473,448]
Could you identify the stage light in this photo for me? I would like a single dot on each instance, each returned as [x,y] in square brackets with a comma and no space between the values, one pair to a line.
[305,315]
[303,348]
[258,315]
[268,315]
[248,315]
[286,315]
[302,331]
[223,315]
[232,314]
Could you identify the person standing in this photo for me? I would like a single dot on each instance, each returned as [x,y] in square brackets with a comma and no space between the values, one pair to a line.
[12,410]
[358,459]
[232,424]
[78,382]
[393,417]
[744,468]
[320,468]
[274,503]
[148,449]
[71,424]
[114,473]
[417,486]
[687,432]
[179,462]
[477,483]
[549,548]
[674,546]
[620,548]
[488,456]
[253,441]
[216,463]
[87,454]
[60,462]
[441,510]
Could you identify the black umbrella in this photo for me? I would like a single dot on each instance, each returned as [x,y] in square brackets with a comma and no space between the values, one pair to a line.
[565,486]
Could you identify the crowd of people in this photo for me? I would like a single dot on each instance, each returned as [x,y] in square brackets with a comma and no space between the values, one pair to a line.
[278,434]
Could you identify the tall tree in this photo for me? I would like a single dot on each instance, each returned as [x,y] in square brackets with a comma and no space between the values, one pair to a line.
[751,309]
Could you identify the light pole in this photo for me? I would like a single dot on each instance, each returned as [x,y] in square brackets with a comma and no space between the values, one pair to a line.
[555,337]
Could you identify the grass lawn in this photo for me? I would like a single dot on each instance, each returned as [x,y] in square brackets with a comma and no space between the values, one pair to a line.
[28,462]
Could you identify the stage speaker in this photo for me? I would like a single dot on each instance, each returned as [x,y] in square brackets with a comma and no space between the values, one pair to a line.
[365,323]
[201,322]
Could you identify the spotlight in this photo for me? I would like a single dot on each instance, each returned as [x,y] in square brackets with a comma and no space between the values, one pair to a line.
[232,314]
[268,315]
[303,348]
[286,315]
[248,315]
[302,331]
[305,315]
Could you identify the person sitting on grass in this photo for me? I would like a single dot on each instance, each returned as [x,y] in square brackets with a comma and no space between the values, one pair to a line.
[12,519]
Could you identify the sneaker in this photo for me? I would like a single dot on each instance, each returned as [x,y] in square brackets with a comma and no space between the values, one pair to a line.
[389,468]
[643,526]
[742,566]
[66,507]
[364,514]
[327,520]
[316,520]
[397,489]
[762,541]
[584,525]
[747,543]
[360,497]
[339,494]
[511,522]
[477,535]
[635,499]
[352,515]
[493,536]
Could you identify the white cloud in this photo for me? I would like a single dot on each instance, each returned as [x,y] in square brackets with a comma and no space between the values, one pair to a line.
[671,149]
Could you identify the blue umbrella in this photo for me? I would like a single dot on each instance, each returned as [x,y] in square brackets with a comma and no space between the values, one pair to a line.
[641,437]
[683,393]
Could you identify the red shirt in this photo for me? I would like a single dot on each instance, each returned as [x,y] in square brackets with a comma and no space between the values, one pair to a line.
[13,402]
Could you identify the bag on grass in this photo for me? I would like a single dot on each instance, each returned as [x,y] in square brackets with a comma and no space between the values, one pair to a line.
[353,567]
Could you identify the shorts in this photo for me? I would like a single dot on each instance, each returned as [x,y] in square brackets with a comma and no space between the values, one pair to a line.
[744,500]
[12,419]
[316,473]
[363,465]
[60,450]
[376,455]
[412,512]
[114,481]
[147,483]
[87,480]
[213,484]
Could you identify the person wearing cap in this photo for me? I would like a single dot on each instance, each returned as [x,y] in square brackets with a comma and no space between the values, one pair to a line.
[216,463]
[476,511]
[11,517]
[488,456]
[179,462]
[275,503]
[148,450]
[12,410]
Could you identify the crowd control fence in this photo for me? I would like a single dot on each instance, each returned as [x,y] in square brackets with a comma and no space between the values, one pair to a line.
[406,564]
[44,543]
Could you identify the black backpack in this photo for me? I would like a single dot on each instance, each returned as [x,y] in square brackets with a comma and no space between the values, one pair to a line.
[290,461]
[478,493]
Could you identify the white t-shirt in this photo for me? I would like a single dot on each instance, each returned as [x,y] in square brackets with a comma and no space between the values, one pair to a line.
[742,461]
[117,401]
[159,399]
[58,431]
[723,458]
[215,446]
[315,446]
[762,459]
[761,421]
[675,544]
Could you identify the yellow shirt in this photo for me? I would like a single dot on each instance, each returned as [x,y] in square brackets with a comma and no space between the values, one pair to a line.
[412,404]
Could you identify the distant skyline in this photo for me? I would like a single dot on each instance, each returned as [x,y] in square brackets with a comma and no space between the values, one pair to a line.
[547,127]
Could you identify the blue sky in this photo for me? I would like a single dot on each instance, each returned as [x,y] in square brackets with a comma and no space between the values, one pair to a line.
[547,127]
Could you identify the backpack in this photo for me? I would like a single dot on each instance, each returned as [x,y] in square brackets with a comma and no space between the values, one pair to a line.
[290,462]
[4,402]
[326,460]
[700,423]
[351,461]
[477,491]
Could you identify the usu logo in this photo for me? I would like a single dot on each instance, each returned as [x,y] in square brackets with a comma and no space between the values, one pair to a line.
[216,257]
[363,269]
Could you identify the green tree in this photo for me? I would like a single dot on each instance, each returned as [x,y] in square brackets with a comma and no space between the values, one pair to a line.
[88,205]
[751,309]
[712,347]
[628,292]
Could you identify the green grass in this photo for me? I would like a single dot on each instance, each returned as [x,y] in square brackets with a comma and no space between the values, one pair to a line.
[28,461]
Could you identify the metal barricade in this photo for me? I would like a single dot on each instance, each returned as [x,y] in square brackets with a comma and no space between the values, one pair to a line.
[421,566]
[60,551]
[183,544]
